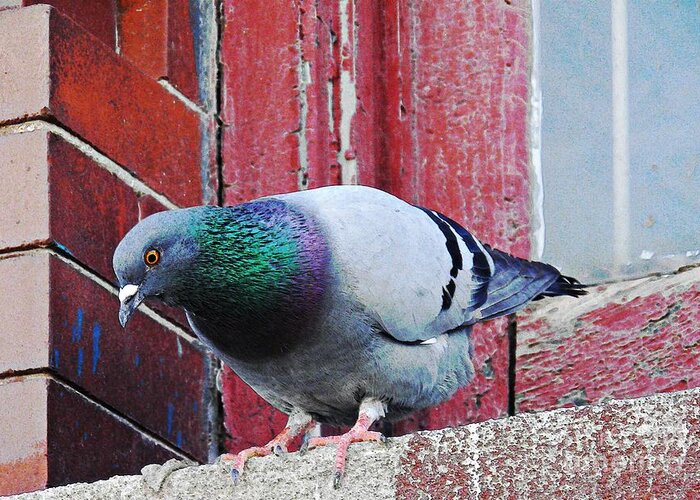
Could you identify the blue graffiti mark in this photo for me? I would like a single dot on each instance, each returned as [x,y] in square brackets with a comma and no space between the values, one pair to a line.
[171,414]
[77,330]
[63,248]
[137,360]
[195,406]
[80,362]
[96,330]
[85,436]
[55,357]
[178,439]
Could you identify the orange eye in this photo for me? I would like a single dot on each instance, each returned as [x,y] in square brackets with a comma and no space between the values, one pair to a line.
[152,257]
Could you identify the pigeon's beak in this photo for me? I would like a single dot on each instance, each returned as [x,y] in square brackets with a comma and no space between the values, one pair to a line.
[130,297]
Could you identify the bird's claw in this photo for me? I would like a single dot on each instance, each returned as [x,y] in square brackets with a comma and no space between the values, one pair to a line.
[336,479]
[304,448]
[235,475]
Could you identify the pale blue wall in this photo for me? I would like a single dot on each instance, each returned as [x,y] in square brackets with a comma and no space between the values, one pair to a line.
[664,133]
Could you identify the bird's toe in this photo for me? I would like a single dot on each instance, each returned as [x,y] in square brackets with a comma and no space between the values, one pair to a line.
[235,475]
[279,449]
[337,477]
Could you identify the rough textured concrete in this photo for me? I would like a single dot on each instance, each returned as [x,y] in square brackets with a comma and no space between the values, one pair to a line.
[647,447]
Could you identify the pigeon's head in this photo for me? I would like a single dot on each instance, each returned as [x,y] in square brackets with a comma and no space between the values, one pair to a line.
[153,258]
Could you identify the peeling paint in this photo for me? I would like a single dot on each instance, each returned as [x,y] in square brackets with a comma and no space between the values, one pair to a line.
[624,339]
[304,79]
[348,92]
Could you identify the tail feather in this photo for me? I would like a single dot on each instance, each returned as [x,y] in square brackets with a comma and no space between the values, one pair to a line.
[515,282]
[564,285]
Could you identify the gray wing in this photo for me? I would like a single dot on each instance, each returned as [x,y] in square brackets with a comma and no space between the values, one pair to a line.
[414,275]
[418,273]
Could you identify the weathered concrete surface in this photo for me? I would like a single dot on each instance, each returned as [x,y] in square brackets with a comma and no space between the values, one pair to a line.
[642,448]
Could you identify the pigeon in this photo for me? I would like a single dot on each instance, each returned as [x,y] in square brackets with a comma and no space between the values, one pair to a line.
[341,305]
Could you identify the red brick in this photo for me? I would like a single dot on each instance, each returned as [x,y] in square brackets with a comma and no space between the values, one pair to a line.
[86,442]
[623,340]
[145,372]
[65,437]
[96,16]
[43,207]
[57,71]
[143,33]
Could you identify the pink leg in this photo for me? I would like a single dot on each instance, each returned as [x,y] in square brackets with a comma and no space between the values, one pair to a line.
[298,422]
[370,411]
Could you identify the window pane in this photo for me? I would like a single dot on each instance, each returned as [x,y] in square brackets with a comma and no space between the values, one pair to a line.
[663,44]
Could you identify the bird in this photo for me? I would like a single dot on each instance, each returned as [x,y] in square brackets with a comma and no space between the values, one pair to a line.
[342,305]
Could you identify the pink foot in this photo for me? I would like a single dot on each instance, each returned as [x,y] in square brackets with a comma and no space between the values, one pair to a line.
[358,433]
[278,446]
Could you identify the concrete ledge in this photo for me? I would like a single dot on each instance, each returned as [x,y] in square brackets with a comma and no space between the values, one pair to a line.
[623,449]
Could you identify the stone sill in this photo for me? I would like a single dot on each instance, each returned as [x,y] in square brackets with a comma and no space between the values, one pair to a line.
[621,449]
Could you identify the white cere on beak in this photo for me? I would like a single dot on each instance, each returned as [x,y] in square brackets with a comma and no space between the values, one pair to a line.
[126,292]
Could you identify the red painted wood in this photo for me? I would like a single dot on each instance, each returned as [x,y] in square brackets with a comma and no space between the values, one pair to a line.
[623,340]
[261,112]
[316,43]
[442,123]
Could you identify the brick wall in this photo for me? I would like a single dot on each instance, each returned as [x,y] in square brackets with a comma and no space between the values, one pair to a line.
[112,109]
[107,115]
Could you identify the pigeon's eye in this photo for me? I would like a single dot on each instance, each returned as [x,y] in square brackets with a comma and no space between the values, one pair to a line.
[152,257]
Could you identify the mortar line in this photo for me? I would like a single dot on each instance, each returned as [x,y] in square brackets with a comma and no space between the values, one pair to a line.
[119,171]
[172,90]
[69,260]
[46,373]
